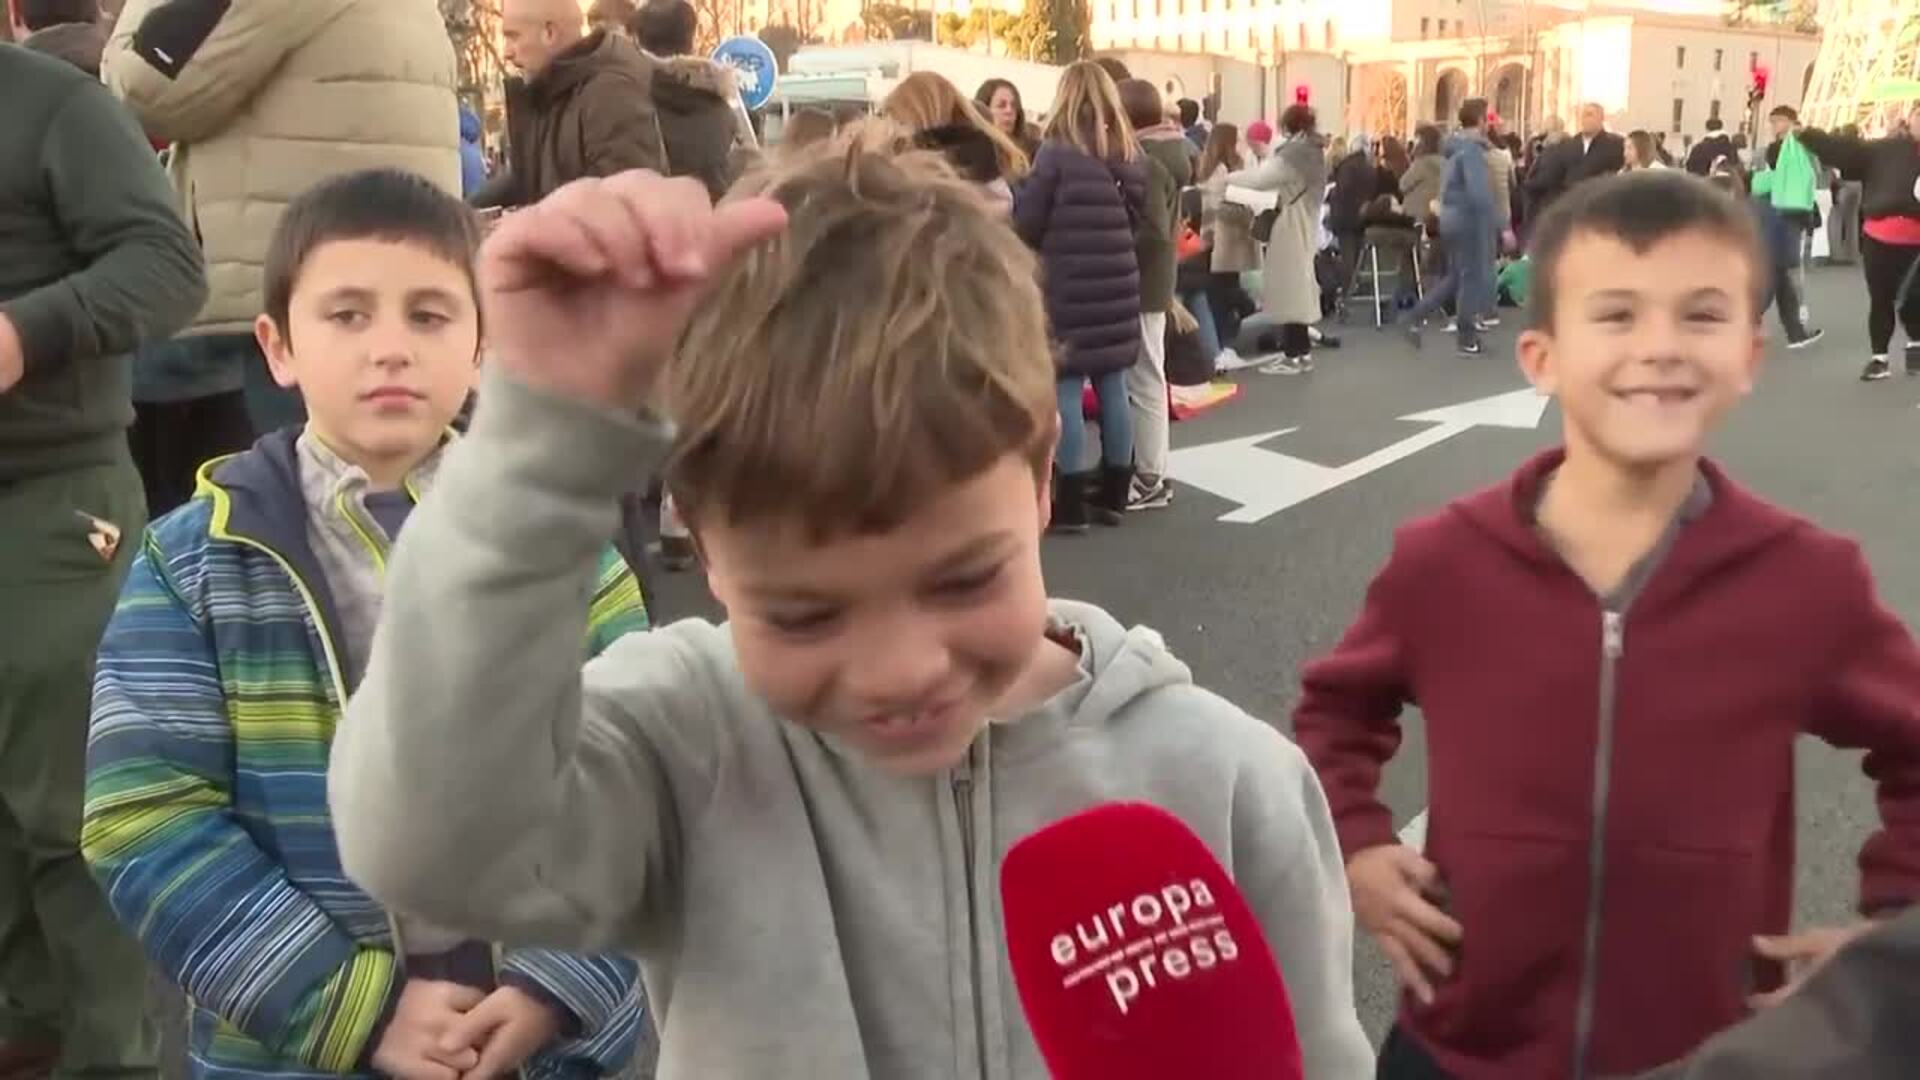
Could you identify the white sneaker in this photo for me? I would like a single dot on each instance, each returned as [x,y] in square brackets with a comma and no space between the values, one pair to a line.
[1229,360]
[1288,365]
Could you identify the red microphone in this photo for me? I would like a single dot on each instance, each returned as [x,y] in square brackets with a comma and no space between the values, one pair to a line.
[1136,957]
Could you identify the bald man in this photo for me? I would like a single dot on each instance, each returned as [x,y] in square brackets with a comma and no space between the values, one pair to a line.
[582,104]
[1591,152]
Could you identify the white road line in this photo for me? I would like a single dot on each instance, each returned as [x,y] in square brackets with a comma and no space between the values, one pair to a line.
[1414,835]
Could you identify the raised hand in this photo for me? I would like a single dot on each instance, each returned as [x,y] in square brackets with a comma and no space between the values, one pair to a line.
[586,292]
[1390,885]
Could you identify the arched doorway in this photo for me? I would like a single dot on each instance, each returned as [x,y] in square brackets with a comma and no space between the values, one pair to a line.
[1509,94]
[1449,90]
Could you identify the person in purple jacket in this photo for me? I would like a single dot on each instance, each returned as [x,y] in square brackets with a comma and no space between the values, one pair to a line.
[1080,209]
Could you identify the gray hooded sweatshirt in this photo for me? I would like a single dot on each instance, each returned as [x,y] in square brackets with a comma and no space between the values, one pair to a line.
[796,911]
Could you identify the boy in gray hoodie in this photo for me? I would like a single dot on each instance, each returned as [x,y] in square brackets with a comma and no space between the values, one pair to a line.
[796,820]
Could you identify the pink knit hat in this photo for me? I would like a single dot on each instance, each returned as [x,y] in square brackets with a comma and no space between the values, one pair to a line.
[1259,132]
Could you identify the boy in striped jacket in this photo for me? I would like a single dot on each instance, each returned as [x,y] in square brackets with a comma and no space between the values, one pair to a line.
[244,626]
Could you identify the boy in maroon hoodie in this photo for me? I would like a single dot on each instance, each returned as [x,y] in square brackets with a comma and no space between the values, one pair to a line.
[1613,653]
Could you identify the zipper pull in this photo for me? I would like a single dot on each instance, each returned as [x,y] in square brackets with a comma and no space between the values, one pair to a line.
[1613,634]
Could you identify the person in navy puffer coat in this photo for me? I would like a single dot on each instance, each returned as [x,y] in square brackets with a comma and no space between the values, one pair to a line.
[1080,209]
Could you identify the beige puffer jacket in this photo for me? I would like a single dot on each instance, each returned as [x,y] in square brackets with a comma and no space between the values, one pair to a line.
[263,98]
[1500,176]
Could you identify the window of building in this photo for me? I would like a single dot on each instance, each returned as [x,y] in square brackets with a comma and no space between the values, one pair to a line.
[1680,56]
[1679,113]
[1441,28]
[1713,110]
[1426,25]
[1252,41]
[1329,35]
[1753,60]
[1303,35]
[1719,55]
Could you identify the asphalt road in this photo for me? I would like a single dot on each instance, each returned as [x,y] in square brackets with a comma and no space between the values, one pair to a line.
[1246,604]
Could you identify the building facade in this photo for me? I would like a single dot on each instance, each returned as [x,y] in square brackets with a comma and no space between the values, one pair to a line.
[1384,65]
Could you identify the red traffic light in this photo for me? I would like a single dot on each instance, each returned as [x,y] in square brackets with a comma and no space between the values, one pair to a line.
[1300,94]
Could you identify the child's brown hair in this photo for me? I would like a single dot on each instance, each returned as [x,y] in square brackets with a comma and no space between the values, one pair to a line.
[889,344]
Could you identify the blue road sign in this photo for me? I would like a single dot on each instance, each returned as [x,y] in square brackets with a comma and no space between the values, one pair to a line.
[754,68]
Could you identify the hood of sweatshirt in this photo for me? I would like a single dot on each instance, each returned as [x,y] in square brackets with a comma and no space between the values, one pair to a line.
[79,44]
[1462,140]
[1118,664]
[1735,522]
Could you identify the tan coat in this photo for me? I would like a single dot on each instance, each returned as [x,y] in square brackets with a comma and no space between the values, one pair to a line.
[274,96]
[1296,172]
[1229,226]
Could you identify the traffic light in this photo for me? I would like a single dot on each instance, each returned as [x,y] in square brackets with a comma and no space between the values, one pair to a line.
[1300,94]
[1757,85]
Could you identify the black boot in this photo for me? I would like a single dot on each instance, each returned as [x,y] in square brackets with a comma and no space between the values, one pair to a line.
[1111,497]
[1069,503]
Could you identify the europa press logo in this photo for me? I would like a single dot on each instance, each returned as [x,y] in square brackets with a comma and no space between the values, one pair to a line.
[1137,957]
[1135,947]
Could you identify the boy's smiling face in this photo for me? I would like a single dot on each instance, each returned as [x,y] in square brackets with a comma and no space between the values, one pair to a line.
[1647,349]
[901,643]
[381,339]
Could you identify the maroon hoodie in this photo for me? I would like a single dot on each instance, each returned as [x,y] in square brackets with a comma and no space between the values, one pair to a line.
[1611,779]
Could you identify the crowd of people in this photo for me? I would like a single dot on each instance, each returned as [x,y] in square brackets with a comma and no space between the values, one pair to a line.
[330,447]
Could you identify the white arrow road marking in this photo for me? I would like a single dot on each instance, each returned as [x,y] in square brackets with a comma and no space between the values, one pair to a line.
[1265,482]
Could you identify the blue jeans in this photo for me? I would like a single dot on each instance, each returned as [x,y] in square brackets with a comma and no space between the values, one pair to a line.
[1468,281]
[1202,312]
[1116,422]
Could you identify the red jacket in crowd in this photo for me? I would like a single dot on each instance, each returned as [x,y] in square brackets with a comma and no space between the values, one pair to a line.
[1612,805]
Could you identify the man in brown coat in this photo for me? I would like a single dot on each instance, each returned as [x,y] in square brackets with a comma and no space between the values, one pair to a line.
[583,105]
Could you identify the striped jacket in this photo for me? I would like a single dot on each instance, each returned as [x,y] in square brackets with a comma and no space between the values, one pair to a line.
[217,690]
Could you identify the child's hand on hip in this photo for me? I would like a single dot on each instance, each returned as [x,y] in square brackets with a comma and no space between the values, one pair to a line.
[1390,885]
[1803,954]
[507,1028]
[587,291]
